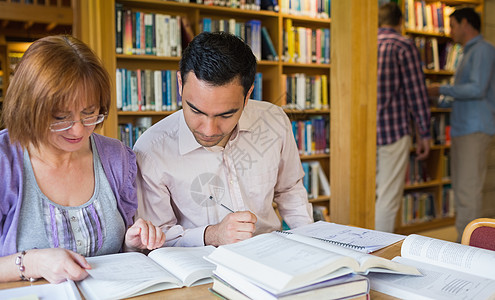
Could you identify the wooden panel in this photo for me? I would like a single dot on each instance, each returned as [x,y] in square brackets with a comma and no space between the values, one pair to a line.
[353,118]
[35,13]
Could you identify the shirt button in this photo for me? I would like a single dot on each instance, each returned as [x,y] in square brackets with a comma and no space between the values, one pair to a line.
[79,243]
[78,229]
[73,219]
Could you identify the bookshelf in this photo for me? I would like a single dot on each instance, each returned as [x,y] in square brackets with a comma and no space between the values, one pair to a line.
[23,21]
[272,71]
[428,200]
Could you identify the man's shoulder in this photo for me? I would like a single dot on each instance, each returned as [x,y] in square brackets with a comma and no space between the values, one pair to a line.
[396,39]
[257,107]
[166,127]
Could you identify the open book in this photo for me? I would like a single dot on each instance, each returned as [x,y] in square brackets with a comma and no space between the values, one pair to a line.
[451,271]
[280,262]
[130,274]
[360,239]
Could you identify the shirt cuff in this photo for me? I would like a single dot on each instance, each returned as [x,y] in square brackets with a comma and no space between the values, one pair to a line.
[194,237]
[444,89]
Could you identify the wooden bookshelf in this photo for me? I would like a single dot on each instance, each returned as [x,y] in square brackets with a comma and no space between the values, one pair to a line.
[271,70]
[436,164]
[24,21]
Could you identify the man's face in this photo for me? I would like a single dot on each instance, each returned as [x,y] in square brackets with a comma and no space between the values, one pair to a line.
[211,112]
[456,30]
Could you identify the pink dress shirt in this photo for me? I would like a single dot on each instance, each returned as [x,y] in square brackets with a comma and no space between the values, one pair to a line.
[183,187]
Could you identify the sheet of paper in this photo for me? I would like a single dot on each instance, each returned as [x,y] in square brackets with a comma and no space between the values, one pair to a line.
[129,266]
[365,240]
[437,283]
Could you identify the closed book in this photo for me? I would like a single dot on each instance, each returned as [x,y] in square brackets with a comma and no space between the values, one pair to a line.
[268,50]
[119,21]
[236,287]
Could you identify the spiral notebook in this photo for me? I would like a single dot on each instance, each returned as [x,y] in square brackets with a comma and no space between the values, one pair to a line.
[360,239]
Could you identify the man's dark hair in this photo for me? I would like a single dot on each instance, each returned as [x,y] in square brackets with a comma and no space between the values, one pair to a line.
[389,14]
[470,15]
[218,58]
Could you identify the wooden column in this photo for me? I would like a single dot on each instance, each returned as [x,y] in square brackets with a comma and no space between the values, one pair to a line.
[93,24]
[353,111]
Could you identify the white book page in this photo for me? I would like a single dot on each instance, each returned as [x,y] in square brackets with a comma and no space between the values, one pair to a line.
[129,266]
[186,263]
[367,262]
[437,283]
[365,240]
[450,255]
[94,289]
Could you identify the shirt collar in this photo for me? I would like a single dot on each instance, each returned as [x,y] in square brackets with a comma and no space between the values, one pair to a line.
[472,42]
[246,119]
[385,30]
[187,142]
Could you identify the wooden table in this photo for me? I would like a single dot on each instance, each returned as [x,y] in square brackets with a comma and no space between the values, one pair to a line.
[201,291]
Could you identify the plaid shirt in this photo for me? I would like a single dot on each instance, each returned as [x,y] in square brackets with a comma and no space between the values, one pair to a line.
[401,89]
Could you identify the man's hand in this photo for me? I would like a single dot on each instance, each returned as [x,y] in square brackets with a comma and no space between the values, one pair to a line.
[433,90]
[422,148]
[235,227]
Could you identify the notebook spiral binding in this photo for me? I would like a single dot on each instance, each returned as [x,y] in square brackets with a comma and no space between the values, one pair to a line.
[342,244]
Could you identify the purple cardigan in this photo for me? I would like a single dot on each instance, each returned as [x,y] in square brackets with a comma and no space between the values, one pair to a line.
[119,164]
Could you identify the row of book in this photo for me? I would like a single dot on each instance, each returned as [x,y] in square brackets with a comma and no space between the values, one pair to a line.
[147,90]
[249,31]
[428,16]
[312,136]
[418,207]
[128,133]
[417,171]
[440,129]
[306,45]
[437,55]
[141,33]
[157,90]
[303,91]
[315,181]
[313,9]
[239,4]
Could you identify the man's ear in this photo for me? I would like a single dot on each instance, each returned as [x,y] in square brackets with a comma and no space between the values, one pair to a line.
[248,95]
[179,81]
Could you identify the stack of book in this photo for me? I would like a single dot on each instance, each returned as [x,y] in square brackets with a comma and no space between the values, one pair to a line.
[291,265]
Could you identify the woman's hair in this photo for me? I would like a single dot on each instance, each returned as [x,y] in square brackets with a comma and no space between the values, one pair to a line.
[56,73]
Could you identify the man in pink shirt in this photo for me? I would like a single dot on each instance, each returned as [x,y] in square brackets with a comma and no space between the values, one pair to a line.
[209,173]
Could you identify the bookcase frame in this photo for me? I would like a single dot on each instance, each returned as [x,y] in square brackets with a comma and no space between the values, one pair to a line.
[435,162]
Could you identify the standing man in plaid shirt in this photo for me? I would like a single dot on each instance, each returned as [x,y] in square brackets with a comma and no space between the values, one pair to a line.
[401,94]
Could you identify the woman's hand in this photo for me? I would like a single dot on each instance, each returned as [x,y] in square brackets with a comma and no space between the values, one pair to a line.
[144,235]
[55,265]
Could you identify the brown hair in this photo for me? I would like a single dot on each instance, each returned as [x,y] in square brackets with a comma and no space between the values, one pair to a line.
[54,74]
[389,14]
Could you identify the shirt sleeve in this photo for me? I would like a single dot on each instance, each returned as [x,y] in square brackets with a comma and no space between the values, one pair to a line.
[480,66]
[415,89]
[290,195]
[154,204]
